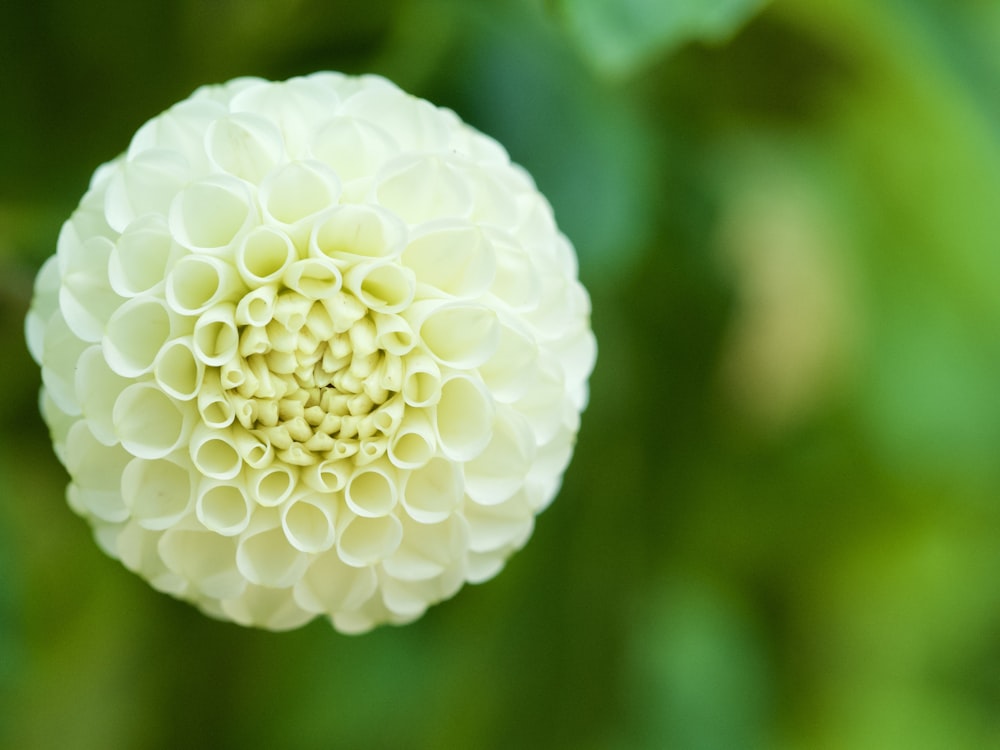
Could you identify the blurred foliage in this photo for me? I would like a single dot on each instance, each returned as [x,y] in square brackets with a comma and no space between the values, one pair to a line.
[781,526]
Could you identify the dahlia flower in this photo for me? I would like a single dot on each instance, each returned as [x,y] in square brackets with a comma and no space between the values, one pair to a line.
[311,348]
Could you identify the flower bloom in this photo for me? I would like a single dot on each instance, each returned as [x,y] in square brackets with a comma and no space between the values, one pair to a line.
[311,347]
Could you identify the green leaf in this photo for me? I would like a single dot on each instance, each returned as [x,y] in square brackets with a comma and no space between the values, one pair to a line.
[621,36]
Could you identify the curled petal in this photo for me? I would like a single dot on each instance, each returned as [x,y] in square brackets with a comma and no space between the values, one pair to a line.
[135,334]
[214,408]
[86,297]
[97,388]
[499,526]
[144,184]
[298,190]
[427,550]
[199,282]
[209,214]
[216,337]
[412,123]
[365,541]
[414,442]
[266,558]
[43,305]
[96,469]
[357,230]
[422,188]
[158,492]
[214,453]
[263,255]
[313,278]
[371,491]
[223,507]
[458,335]
[433,491]
[61,353]
[148,422]
[331,585]
[291,105]
[453,258]
[309,522]
[207,561]
[244,145]
[178,370]
[382,287]
[463,417]
[511,369]
[421,381]
[393,334]
[500,470]
[256,452]
[273,484]
[264,607]
[142,256]
[516,281]
[326,476]
[353,148]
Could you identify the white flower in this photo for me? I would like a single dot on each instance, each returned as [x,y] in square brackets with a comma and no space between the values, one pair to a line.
[312,347]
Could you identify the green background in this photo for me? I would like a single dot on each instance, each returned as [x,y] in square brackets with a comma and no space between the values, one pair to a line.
[781,525]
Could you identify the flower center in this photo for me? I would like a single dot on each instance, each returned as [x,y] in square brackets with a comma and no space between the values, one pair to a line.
[311,380]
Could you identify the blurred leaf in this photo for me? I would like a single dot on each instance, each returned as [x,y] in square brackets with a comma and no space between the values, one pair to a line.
[698,672]
[620,36]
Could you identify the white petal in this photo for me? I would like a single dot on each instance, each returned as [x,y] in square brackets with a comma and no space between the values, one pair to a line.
[427,549]
[142,256]
[244,145]
[372,491]
[177,370]
[422,188]
[460,335]
[266,558]
[208,215]
[144,184]
[148,422]
[432,492]
[297,191]
[497,473]
[452,257]
[214,453]
[199,282]
[309,522]
[97,389]
[205,559]
[499,527]
[353,148]
[414,442]
[353,230]
[365,541]
[59,358]
[383,287]
[331,586]
[135,334]
[421,381]
[216,337]
[263,255]
[314,278]
[86,298]
[463,418]
[223,507]
[158,492]
[273,484]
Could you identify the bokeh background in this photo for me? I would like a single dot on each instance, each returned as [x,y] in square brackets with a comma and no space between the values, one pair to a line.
[781,528]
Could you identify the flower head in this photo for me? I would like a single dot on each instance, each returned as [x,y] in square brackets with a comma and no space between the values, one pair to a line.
[311,347]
